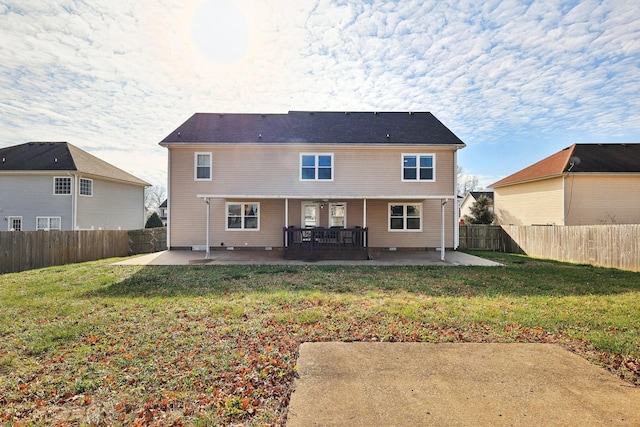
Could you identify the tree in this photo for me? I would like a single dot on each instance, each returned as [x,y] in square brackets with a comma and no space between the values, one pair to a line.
[466,183]
[154,221]
[153,197]
[480,212]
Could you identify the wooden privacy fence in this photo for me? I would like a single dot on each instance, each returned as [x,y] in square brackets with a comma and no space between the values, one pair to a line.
[616,246]
[147,240]
[26,250]
[481,237]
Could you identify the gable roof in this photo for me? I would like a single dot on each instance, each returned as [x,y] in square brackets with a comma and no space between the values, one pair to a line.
[487,194]
[580,158]
[314,127]
[60,156]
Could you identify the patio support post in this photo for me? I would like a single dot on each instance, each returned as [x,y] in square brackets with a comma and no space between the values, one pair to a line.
[286,222]
[442,203]
[207,247]
[364,221]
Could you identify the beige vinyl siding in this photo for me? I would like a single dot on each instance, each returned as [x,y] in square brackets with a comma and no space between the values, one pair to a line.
[536,202]
[112,206]
[192,230]
[429,237]
[275,170]
[602,199]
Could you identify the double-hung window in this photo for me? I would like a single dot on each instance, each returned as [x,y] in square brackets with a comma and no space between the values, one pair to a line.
[316,167]
[15,223]
[48,223]
[62,185]
[405,216]
[418,167]
[243,216]
[86,187]
[202,167]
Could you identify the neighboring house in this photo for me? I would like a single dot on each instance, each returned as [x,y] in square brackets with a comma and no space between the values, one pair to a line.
[57,186]
[471,198]
[584,184]
[163,211]
[250,176]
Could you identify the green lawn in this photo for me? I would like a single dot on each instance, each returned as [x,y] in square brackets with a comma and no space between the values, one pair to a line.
[96,344]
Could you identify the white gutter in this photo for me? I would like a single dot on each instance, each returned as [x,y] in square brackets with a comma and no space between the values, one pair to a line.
[325,196]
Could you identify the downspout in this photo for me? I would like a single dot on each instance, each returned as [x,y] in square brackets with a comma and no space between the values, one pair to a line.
[169,201]
[74,202]
[207,249]
[564,200]
[456,208]
[442,203]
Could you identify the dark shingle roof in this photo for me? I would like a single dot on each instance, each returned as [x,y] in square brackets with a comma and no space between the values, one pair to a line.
[487,194]
[581,158]
[314,127]
[59,156]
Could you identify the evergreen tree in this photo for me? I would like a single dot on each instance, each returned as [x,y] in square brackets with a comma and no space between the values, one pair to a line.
[480,212]
[154,221]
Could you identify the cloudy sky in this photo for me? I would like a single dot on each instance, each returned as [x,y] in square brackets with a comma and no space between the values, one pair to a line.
[515,80]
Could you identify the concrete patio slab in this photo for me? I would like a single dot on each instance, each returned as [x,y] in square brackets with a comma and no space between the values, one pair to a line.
[421,384]
[276,257]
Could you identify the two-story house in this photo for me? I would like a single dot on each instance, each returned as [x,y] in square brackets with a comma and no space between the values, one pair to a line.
[57,186]
[583,184]
[366,179]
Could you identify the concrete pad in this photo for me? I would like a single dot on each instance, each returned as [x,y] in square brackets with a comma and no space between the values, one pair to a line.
[276,257]
[421,384]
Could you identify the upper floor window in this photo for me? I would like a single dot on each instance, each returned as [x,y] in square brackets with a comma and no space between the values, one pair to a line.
[62,185]
[316,167]
[405,217]
[202,166]
[243,216]
[418,167]
[48,223]
[86,187]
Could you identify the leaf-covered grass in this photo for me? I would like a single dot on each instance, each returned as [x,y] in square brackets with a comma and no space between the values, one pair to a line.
[96,344]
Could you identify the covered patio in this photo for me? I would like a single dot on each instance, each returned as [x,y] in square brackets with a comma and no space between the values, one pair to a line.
[333,238]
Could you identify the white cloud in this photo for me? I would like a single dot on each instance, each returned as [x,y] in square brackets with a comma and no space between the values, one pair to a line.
[122,74]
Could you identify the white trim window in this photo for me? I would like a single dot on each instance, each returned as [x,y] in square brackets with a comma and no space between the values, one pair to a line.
[405,216]
[61,185]
[418,167]
[14,223]
[86,187]
[316,166]
[202,166]
[48,223]
[243,216]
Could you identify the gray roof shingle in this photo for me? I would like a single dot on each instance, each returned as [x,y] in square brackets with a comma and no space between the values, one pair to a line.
[315,127]
[60,156]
